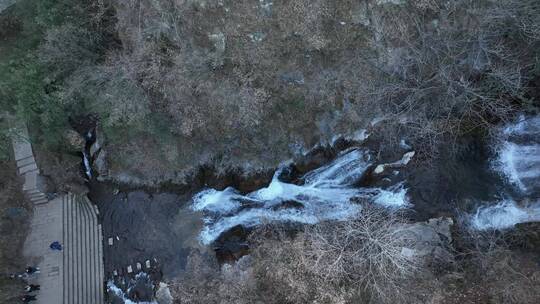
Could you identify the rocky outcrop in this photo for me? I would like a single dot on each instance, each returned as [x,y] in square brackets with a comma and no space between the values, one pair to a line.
[429,239]
[74,140]
[163,294]
[395,165]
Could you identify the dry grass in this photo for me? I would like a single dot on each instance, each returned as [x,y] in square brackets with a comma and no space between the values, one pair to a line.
[454,74]
[500,271]
[358,261]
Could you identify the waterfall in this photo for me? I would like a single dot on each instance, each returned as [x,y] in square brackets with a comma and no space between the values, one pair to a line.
[325,193]
[117,292]
[90,139]
[518,160]
[519,154]
[87,167]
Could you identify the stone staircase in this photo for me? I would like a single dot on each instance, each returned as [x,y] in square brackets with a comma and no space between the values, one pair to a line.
[27,167]
[75,274]
[83,255]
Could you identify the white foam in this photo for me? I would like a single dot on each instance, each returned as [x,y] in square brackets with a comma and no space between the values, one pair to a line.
[87,167]
[519,154]
[217,201]
[111,287]
[505,214]
[325,195]
[394,198]
[506,163]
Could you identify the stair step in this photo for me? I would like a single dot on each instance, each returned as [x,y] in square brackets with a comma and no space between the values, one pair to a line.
[38,195]
[26,161]
[30,181]
[40,202]
[86,250]
[95,256]
[66,245]
[39,199]
[83,254]
[22,149]
[73,252]
[80,224]
[28,168]
[32,191]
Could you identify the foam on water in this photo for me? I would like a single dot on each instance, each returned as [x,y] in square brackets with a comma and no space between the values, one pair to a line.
[395,197]
[518,159]
[519,153]
[505,214]
[87,167]
[112,288]
[325,195]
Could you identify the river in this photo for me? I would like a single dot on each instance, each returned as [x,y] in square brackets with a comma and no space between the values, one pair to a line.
[491,184]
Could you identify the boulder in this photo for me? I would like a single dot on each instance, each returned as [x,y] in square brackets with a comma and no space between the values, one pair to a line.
[163,294]
[74,140]
[398,164]
[100,164]
[429,239]
[387,174]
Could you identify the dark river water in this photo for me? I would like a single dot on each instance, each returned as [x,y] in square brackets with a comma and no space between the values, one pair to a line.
[490,184]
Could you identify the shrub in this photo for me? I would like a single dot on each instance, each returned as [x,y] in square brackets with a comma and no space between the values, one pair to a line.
[464,70]
[506,275]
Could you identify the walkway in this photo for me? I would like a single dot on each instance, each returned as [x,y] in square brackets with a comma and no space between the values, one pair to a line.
[74,275]
[83,256]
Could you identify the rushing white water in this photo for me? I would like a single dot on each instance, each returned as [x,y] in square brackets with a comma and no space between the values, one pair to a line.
[119,293]
[504,215]
[87,167]
[325,195]
[519,154]
[395,197]
[519,161]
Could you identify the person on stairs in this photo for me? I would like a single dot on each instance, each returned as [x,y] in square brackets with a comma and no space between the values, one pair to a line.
[27,299]
[31,287]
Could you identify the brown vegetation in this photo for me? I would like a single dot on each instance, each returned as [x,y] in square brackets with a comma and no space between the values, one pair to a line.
[258,82]
[358,261]
[362,261]
[225,73]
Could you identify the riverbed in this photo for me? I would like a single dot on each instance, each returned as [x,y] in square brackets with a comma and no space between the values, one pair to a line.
[490,183]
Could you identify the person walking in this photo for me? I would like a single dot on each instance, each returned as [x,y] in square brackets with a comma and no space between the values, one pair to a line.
[28,298]
[32,270]
[31,287]
[56,246]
